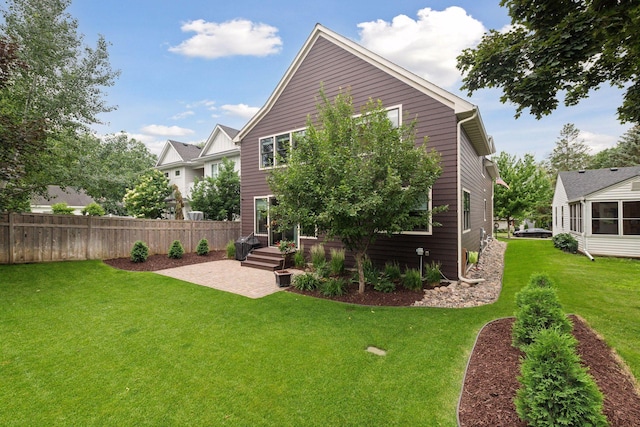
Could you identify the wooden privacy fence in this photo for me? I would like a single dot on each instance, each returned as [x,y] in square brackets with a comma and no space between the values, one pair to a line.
[31,237]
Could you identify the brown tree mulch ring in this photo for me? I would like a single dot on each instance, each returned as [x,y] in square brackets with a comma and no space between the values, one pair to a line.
[491,380]
[162,261]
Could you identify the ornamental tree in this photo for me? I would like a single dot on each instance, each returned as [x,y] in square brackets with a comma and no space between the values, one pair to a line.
[530,191]
[148,199]
[355,178]
[218,197]
[559,47]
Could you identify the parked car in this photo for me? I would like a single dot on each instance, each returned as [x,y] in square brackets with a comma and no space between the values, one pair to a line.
[533,232]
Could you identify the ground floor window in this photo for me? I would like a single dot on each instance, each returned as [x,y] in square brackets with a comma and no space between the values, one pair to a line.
[466,210]
[631,218]
[575,217]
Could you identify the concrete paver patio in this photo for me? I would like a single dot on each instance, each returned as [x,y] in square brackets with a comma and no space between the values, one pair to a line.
[227,275]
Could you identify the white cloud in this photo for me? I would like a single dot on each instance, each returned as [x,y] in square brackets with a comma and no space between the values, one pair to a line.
[160,130]
[427,46]
[183,115]
[597,142]
[240,110]
[236,37]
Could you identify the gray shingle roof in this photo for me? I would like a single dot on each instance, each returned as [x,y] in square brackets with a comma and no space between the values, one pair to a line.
[582,183]
[229,131]
[57,195]
[186,151]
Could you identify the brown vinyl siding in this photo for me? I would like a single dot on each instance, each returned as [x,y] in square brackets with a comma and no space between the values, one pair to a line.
[337,69]
[481,188]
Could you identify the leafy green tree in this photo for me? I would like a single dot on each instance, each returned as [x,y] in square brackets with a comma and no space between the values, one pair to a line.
[553,47]
[570,153]
[20,140]
[625,153]
[355,178]
[148,199]
[530,191]
[218,197]
[108,166]
[55,88]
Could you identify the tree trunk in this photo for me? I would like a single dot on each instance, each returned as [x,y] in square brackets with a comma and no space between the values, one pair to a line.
[359,263]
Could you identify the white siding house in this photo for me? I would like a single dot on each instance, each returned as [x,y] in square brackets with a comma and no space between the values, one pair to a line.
[601,209]
[183,163]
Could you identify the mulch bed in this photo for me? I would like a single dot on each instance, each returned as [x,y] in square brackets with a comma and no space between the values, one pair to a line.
[491,381]
[401,297]
[161,262]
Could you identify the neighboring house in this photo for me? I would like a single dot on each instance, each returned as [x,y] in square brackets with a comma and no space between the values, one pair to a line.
[183,163]
[453,125]
[601,209]
[77,200]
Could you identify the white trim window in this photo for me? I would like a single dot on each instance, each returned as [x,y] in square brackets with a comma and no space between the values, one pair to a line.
[466,210]
[422,207]
[575,217]
[261,215]
[275,149]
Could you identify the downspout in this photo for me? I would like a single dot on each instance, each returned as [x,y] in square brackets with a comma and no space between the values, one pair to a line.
[583,204]
[459,184]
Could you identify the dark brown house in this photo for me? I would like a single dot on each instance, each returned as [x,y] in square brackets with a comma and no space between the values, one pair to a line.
[453,125]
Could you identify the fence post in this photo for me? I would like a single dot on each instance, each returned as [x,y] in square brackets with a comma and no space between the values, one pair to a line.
[12,238]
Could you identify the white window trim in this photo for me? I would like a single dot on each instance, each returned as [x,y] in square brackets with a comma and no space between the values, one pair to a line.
[255,218]
[465,230]
[428,232]
[275,151]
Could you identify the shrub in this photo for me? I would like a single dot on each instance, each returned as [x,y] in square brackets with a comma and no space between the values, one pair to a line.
[306,282]
[93,209]
[139,251]
[61,209]
[298,258]
[385,285]
[566,242]
[537,309]
[392,270]
[412,279]
[555,389]
[176,250]
[231,249]
[336,264]
[203,247]
[540,280]
[317,255]
[334,287]
[433,273]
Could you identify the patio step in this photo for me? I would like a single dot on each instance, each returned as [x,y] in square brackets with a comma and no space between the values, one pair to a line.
[264,259]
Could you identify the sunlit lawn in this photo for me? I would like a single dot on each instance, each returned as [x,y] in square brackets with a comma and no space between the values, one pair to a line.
[84,344]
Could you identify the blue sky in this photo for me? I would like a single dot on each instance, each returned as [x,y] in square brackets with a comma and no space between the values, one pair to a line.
[189,65]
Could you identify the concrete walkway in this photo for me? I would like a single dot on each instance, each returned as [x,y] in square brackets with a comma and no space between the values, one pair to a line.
[227,275]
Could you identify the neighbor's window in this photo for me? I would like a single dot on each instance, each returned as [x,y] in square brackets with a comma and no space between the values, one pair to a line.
[261,215]
[466,210]
[604,217]
[631,218]
[575,217]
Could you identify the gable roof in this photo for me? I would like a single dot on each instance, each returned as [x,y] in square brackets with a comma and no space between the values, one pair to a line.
[462,108]
[582,183]
[186,152]
[70,196]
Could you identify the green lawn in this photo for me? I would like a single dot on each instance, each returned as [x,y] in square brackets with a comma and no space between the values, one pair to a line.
[84,344]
